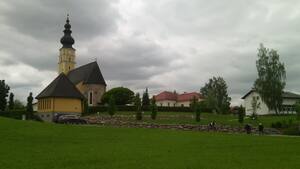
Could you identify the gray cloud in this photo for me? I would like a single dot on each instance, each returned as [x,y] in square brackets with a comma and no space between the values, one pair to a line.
[165,45]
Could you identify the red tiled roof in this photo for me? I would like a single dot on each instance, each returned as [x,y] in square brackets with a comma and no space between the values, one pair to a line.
[177,97]
[188,96]
[166,96]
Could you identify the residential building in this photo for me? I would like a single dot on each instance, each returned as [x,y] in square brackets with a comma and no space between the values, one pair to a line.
[172,99]
[289,100]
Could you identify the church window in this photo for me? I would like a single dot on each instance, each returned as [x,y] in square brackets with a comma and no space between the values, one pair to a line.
[90,97]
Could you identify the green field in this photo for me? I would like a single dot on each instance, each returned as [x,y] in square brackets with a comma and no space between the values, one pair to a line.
[33,145]
[206,118]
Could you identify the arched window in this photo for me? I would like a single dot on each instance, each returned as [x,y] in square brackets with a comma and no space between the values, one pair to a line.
[90,98]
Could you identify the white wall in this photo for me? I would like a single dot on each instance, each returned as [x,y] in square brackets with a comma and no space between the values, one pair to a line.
[263,110]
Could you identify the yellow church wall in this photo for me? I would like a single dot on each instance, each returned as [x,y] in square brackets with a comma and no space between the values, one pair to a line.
[60,105]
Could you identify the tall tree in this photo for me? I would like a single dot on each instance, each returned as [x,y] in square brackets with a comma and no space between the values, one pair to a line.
[29,107]
[11,102]
[4,90]
[271,78]
[146,100]
[216,96]
[137,103]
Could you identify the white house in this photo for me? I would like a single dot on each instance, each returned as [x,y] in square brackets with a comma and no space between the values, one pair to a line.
[289,99]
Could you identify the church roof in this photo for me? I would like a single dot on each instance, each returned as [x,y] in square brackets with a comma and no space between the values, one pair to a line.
[88,74]
[61,86]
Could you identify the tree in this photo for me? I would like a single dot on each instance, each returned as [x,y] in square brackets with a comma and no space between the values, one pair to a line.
[153,109]
[271,78]
[255,104]
[198,110]
[241,114]
[4,90]
[137,104]
[18,105]
[215,93]
[111,106]
[194,104]
[145,100]
[121,95]
[11,103]
[29,107]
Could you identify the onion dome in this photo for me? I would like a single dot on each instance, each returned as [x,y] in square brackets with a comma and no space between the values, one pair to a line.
[67,40]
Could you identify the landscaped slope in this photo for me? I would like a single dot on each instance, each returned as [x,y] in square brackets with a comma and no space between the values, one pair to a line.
[30,145]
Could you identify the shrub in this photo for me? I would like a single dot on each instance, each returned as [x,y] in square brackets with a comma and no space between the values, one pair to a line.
[153,109]
[111,106]
[241,114]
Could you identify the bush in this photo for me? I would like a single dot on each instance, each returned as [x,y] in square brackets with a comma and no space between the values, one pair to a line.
[17,114]
[292,130]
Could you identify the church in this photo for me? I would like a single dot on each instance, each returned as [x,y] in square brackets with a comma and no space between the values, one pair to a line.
[68,91]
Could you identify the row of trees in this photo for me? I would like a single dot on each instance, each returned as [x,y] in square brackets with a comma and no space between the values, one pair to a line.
[13,104]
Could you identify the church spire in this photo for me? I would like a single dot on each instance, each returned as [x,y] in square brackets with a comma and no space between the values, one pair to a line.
[67,40]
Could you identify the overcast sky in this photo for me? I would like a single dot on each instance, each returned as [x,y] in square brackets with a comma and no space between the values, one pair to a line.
[163,45]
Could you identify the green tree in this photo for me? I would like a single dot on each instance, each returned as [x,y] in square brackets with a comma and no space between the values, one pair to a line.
[145,100]
[121,95]
[112,106]
[198,110]
[241,114]
[215,93]
[4,90]
[137,104]
[153,109]
[271,78]
[29,107]
[18,105]
[194,104]
[11,103]
[255,104]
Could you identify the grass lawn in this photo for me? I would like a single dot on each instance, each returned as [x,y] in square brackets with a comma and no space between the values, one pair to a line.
[206,118]
[33,145]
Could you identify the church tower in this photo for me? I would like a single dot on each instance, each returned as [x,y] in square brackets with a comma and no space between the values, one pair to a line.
[67,52]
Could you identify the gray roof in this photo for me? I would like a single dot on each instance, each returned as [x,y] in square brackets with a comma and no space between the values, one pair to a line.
[62,87]
[286,95]
[88,74]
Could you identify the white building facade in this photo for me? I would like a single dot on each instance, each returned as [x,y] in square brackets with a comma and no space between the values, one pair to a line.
[289,100]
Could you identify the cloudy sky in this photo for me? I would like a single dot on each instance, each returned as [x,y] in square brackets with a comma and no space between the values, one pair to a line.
[163,45]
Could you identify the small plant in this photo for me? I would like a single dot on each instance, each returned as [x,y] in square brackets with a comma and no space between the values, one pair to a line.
[153,109]
[197,111]
[137,103]
[111,106]
[241,114]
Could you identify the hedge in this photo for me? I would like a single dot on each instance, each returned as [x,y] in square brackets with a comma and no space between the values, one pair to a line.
[17,114]
[95,109]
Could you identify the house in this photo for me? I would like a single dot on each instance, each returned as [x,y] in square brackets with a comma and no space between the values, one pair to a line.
[60,96]
[86,79]
[172,99]
[289,100]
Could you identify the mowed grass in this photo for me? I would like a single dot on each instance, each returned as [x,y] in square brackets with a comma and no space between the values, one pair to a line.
[33,145]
